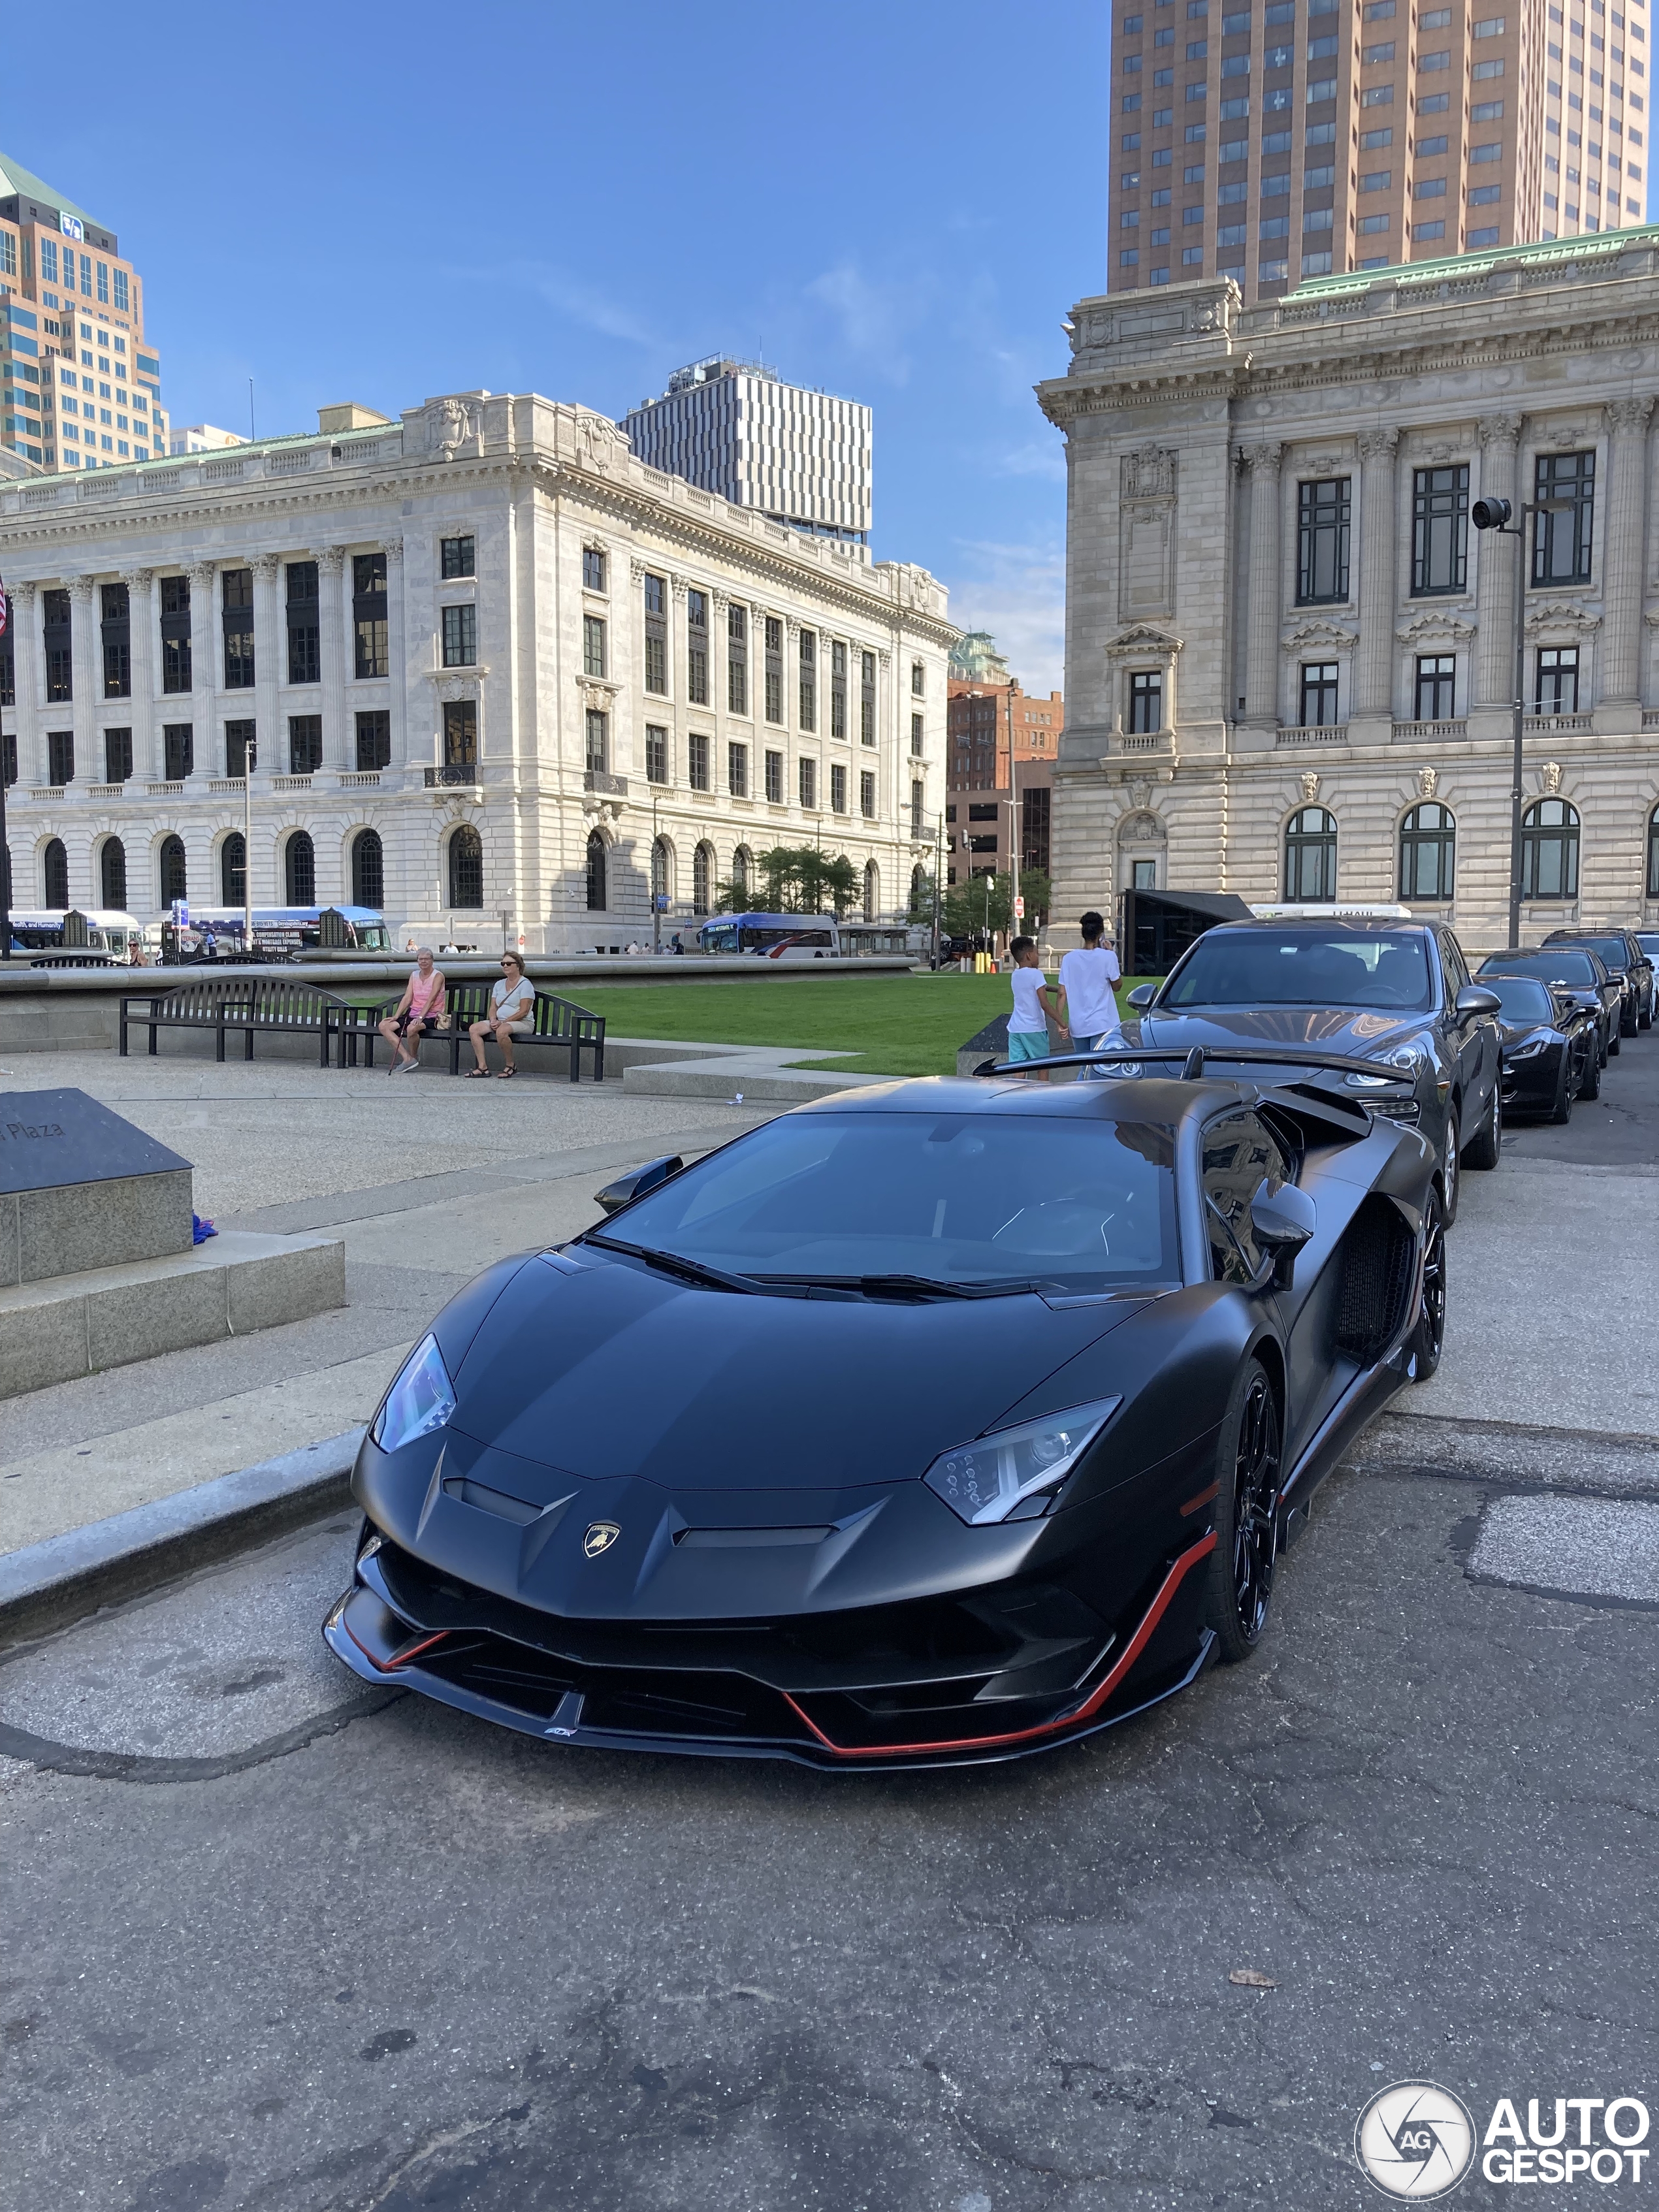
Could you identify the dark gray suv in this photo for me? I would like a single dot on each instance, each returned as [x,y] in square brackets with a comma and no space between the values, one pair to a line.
[1399,993]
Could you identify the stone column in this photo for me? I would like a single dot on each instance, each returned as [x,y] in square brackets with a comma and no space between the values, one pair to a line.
[207,656]
[267,667]
[333,644]
[1617,708]
[1501,559]
[393,550]
[1266,591]
[141,704]
[29,662]
[83,639]
[1374,656]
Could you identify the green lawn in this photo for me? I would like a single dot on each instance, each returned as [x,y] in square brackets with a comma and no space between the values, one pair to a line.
[898,1024]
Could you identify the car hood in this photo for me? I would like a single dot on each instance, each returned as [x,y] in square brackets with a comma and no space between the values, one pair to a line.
[1510,1034]
[1368,1033]
[603,1368]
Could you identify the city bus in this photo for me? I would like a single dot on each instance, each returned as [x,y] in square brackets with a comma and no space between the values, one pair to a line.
[287,929]
[773,936]
[108,931]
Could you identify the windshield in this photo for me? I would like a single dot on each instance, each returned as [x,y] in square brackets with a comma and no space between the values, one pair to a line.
[1557,966]
[1522,999]
[956,1197]
[1613,951]
[1302,968]
[1649,941]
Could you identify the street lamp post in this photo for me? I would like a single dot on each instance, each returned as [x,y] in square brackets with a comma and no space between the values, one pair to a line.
[1505,520]
[651,878]
[250,757]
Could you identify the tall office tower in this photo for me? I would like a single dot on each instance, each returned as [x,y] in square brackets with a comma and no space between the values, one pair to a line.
[82,388]
[1281,139]
[798,457]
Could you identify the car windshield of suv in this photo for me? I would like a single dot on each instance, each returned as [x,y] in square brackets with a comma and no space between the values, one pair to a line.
[1302,968]
[1612,950]
[1649,941]
[975,1199]
[1522,999]
[1558,965]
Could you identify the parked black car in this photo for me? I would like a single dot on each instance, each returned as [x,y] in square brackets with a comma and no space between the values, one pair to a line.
[973,1418]
[1624,959]
[1551,1052]
[1399,993]
[1573,969]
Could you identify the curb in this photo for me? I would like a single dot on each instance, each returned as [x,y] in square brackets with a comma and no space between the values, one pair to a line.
[47,1585]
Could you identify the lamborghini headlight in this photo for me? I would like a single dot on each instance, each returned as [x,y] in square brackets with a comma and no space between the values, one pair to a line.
[986,1479]
[421,1399]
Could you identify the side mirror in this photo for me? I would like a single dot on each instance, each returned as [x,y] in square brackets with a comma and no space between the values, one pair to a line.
[626,1188]
[1474,999]
[1143,995]
[1282,1220]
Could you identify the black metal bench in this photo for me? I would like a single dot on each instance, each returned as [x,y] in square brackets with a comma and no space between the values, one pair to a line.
[557,1025]
[269,1004]
[71,960]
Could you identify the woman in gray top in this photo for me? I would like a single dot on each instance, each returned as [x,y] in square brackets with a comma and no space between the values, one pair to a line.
[512,1013]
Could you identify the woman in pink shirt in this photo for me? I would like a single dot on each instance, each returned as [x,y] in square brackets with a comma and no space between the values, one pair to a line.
[421,1008]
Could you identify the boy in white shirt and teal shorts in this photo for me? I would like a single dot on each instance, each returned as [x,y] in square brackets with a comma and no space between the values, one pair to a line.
[1028,1025]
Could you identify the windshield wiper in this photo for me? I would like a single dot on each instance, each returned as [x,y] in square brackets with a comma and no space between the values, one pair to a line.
[917,1286]
[671,1263]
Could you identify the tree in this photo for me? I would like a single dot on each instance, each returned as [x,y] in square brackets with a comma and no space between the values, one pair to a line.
[921,897]
[800,880]
[966,905]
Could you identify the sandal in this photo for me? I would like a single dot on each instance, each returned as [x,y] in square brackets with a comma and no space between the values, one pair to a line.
[507,1074]
[473,1073]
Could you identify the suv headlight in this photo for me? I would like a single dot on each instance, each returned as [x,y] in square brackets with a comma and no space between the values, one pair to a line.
[984,1480]
[421,1399]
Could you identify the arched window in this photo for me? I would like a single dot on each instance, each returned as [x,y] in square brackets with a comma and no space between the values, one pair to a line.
[300,869]
[466,867]
[368,870]
[662,868]
[918,900]
[1653,854]
[1428,839]
[1310,856]
[54,873]
[1549,850]
[233,870]
[171,862]
[742,867]
[872,891]
[113,874]
[702,879]
[597,900]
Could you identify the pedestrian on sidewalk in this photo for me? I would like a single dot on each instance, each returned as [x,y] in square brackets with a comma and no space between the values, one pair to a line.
[1089,979]
[421,1008]
[512,1013]
[1034,1001]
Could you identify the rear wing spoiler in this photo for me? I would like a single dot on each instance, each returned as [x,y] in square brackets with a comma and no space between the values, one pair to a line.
[1195,1058]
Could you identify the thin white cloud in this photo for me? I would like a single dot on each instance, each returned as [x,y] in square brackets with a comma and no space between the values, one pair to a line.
[578,303]
[1018,593]
[873,315]
[1046,458]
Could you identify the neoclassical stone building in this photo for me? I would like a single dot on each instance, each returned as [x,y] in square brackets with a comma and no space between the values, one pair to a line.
[489,662]
[1290,655]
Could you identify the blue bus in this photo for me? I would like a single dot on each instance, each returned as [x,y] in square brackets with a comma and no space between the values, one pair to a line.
[773,936]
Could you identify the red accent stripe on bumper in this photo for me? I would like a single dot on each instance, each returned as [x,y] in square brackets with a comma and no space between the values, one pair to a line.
[402,1655]
[1090,1706]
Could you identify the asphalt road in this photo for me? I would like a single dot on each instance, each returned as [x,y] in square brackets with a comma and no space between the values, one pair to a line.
[275,1945]
[1620,1128]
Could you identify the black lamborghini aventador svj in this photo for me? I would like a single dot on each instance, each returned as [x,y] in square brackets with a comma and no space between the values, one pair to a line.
[936,1422]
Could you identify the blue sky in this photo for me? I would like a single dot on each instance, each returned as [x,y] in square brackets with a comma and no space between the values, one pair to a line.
[898,202]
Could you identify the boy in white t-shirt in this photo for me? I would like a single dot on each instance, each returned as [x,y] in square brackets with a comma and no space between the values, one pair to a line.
[1088,989]
[1034,1000]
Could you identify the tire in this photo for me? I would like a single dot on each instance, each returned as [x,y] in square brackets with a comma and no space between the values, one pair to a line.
[1561,1112]
[1427,1339]
[1486,1148]
[1616,1040]
[1239,1591]
[1645,1015]
[1590,1085]
[1629,1022]
[1451,1165]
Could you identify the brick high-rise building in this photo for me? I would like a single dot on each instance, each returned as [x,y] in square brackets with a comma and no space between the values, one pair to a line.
[1284,139]
[988,724]
[81,386]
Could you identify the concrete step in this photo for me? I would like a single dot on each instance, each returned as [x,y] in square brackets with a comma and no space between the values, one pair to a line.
[102,1317]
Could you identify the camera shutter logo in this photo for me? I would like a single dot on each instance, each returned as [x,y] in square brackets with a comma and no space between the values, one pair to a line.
[1415,2140]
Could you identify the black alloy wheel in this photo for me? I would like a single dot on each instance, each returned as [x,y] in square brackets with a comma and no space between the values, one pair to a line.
[1247,1516]
[1589,1076]
[1561,1111]
[1428,1338]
